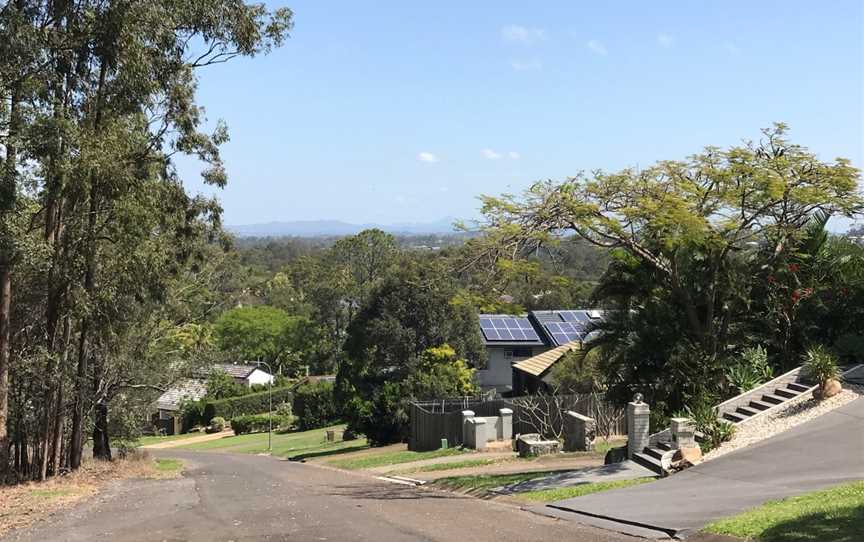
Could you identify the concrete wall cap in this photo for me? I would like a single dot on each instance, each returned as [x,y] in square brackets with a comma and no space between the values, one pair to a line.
[505,412]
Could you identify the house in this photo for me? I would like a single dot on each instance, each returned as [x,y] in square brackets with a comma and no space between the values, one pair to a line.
[167,417]
[511,339]
[245,374]
[534,375]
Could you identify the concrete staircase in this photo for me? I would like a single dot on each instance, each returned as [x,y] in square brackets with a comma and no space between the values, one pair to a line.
[651,457]
[765,401]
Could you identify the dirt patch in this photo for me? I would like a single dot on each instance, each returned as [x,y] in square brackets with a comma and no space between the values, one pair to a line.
[23,504]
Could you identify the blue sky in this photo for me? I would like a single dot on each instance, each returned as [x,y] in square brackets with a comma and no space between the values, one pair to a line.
[406,111]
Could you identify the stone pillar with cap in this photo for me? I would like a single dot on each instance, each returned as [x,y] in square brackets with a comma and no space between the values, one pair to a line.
[579,432]
[683,433]
[506,432]
[638,415]
[466,415]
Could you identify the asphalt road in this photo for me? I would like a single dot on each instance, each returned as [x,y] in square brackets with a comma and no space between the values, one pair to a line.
[225,497]
[826,451]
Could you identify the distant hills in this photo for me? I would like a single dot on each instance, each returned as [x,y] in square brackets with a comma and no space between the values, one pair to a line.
[323,228]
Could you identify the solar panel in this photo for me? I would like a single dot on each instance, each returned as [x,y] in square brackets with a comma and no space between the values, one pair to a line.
[565,332]
[508,328]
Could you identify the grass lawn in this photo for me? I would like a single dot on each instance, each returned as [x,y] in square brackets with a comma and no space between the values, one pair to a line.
[297,445]
[549,495]
[835,514]
[52,493]
[453,465]
[168,465]
[392,458]
[146,441]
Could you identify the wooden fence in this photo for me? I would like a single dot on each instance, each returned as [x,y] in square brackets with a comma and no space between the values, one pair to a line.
[432,421]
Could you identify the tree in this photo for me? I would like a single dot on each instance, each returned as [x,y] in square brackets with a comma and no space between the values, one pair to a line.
[259,333]
[687,240]
[412,310]
[96,99]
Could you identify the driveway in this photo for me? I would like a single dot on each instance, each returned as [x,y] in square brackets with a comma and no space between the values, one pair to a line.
[245,497]
[824,452]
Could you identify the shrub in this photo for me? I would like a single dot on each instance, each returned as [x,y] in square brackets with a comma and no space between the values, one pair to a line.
[714,430]
[217,424]
[256,423]
[750,371]
[315,406]
[253,403]
[285,409]
[820,364]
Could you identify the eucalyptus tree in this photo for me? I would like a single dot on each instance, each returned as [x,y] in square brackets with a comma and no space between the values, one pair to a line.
[98,95]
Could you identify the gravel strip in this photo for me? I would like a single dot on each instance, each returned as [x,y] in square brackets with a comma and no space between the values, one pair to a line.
[794,412]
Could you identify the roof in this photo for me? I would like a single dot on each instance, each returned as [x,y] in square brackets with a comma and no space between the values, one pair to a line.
[190,389]
[541,363]
[539,328]
[237,370]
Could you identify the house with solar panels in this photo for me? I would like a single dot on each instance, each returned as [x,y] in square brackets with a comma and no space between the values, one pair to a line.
[521,340]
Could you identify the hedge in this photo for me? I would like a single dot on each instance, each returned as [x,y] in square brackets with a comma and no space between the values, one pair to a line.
[256,423]
[254,403]
[315,406]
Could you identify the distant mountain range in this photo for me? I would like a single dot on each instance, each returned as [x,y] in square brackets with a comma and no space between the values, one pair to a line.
[322,228]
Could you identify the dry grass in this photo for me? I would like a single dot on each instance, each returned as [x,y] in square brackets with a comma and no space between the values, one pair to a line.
[23,504]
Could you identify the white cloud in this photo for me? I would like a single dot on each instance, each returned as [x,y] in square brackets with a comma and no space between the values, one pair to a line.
[513,155]
[526,65]
[489,154]
[444,189]
[427,157]
[597,47]
[665,40]
[522,34]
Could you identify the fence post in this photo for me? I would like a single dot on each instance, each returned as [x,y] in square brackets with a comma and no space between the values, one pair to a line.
[579,432]
[638,414]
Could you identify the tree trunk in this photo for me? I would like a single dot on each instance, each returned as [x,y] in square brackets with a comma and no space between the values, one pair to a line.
[5,306]
[101,442]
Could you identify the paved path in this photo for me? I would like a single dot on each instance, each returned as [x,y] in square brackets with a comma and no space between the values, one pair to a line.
[824,452]
[190,440]
[226,497]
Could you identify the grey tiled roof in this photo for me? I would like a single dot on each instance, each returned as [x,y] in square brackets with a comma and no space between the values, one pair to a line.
[190,389]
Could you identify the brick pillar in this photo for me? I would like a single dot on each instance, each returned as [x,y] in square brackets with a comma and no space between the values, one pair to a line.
[466,415]
[579,432]
[506,424]
[637,425]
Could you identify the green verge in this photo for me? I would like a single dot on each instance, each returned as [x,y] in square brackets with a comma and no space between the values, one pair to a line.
[392,458]
[294,445]
[453,465]
[52,493]
[148,440]
[557,494]
[168,465]
[835,514]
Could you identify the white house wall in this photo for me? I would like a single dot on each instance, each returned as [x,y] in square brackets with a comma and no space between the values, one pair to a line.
[258,377]
[498,373]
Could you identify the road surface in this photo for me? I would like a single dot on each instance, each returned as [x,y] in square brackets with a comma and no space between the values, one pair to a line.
[226,497]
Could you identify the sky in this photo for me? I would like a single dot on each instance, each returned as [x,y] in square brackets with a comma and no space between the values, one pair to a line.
[403,111]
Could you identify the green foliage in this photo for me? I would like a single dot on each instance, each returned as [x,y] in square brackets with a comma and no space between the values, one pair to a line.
[286,410]
[221,385]
[576,372]
[256,423]
[315,406]
[715,431]
[258,332]
[750,370]
[217,424]
[252,403]
[820,364]
[441,374]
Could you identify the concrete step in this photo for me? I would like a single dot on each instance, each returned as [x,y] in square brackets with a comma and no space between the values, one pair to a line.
[760,405]
[795,386]
[747,411]
[734,417]
[665,446]
[656,453]
[786,392]
[648,462]
[773,399]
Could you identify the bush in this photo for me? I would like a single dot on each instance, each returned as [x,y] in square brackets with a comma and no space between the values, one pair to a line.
[253,403]
[285,410]
[315,406]
[820,364]
[217,424]
[715,431]
[257,423]
[750,371]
